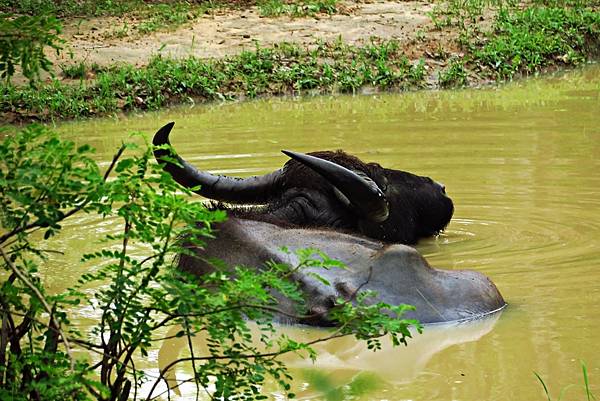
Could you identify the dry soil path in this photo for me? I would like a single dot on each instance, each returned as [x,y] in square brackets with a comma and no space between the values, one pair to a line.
[230,32]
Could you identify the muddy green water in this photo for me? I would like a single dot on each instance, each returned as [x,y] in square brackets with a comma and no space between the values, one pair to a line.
[522,163]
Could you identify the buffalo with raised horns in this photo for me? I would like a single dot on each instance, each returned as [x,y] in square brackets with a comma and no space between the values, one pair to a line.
[358,213]
[328,190]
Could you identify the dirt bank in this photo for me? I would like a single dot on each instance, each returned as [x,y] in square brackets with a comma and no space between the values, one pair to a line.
[222,34]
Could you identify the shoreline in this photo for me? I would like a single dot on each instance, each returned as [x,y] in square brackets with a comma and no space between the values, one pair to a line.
[420,45]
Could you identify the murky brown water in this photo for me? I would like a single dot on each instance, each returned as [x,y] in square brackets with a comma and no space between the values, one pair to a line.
[522,164]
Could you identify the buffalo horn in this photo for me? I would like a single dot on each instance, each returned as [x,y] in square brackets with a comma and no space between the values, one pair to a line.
[222,188]
[356,187]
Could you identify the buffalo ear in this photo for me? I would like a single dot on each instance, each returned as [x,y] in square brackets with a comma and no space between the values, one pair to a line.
[354,188]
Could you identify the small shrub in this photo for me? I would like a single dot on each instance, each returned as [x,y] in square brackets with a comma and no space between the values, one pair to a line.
[453,76]
[274,8]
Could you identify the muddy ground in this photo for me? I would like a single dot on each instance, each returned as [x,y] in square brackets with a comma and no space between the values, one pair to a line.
[226,33]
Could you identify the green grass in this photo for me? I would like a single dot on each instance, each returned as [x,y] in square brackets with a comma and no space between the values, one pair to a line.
[273,8]
[454,75]
[79,70]
[568,3]
[284,69]
[71,8]
[146,17]
[160,16]
[463,12]
[526,41]
[522,40]
[162,13]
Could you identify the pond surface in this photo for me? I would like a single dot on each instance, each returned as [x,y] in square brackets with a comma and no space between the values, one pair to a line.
[522,164]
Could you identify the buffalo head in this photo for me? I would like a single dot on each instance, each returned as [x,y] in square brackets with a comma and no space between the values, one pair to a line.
[327,190]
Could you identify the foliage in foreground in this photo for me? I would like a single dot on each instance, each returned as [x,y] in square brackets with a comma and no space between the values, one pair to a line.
[22,43]
[43,181]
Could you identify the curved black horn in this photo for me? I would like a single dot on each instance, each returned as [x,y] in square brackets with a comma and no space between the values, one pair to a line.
[257,189]
[361,191]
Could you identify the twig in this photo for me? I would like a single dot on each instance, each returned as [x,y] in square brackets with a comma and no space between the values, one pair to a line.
[44,303]
[267,308]
[191,348]
[336,334]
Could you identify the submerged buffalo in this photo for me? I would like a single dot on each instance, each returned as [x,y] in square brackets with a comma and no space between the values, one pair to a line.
[358,213]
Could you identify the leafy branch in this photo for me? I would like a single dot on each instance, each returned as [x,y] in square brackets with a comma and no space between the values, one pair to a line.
[22,42]
[43,181]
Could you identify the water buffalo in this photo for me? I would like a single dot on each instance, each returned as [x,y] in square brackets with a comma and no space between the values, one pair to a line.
[358,213]
[330,190]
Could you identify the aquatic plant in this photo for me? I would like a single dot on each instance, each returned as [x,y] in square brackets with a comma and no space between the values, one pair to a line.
[586,385]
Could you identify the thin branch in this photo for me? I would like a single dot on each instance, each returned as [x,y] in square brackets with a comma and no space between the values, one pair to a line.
[267,308]
[191,348]
[157,339]
[355,292]
[14,241]
[90,346]
[37,250]
[44,303]
[135,379]
[116,157]
[147,259]
[92,390]
[168,390]
[336,334]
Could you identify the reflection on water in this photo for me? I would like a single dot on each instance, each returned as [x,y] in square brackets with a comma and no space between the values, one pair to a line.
[341,357]
[522,164]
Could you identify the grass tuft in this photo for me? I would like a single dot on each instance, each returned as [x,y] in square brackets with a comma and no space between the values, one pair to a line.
[455,75]
[302,8]
[586,387]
